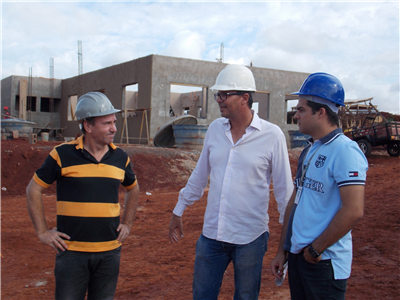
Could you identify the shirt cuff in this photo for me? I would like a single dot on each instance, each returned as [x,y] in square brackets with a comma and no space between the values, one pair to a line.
[179,209]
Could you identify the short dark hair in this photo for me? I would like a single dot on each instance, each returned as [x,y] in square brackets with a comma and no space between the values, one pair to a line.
[90,120]
[332,117]
[250,102]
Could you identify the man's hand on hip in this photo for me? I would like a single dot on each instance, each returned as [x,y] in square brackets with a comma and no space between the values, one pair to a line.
[53,238]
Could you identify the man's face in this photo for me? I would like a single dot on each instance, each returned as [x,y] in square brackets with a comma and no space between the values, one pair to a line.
[103,130]
[231,105]
[305,118]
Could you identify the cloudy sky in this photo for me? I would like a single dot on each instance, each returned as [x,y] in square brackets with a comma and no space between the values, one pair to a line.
[357,41]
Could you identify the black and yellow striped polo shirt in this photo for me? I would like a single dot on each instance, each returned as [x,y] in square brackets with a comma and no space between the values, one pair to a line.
[87,193]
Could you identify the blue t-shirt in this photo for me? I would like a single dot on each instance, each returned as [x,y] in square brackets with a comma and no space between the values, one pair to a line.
[331,162]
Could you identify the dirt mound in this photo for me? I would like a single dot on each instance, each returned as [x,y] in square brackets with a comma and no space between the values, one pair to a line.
[156,168]
[152,268]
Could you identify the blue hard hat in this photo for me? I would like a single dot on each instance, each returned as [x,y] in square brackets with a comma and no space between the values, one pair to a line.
[323,85]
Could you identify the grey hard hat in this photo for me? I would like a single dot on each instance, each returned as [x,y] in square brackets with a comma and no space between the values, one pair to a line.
[94,104]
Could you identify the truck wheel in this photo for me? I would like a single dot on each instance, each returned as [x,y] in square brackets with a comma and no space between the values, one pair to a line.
[365,147]
[394,149]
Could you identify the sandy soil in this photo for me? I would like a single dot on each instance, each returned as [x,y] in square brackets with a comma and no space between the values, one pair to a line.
[151,267]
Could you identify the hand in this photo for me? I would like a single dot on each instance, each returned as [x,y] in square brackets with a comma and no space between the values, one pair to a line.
[53,238]
[277,264]
[175,229]
[309,258]
[124,231]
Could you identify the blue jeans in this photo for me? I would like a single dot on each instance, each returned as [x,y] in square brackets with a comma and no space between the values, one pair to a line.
[212,259]
[308,281]
[94,272]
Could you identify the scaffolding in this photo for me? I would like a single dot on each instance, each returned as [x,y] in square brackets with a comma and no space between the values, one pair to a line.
[125,125]
[51,101]
[29,102]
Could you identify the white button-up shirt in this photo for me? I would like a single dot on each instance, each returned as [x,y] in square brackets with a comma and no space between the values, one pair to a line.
[240,176]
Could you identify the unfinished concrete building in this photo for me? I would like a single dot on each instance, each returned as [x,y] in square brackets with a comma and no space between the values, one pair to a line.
[150,90]
[35,99]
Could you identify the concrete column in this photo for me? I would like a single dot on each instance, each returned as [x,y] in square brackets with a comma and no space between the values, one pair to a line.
[23,88]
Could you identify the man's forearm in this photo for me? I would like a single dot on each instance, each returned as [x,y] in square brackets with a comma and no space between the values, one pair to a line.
[131,204]
[285,225]
[345,219]
[35,207]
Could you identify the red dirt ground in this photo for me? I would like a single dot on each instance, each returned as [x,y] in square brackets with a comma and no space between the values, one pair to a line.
[153,268]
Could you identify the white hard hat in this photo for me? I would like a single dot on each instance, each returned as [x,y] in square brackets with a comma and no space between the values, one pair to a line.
[94,104]
[235,78]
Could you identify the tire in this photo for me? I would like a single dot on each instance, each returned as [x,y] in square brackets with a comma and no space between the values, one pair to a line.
[394,149]
[365,147]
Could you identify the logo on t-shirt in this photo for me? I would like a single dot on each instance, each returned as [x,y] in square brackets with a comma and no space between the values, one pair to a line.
[353,174]
[319,163]
[313,185]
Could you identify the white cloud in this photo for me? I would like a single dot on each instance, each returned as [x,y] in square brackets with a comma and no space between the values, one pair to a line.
[186,44]
[356,41]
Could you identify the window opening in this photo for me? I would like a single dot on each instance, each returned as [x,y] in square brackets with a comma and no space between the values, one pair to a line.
[72,100]
[16,102]
[185,110]
[291,111]
[171,112]
[188,100]
[261,104]
[130,99]
[255,107]
[46,107]
[31,103]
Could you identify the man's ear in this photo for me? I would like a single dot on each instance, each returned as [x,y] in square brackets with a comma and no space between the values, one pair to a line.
[322,112]
[245,98]
[87,126]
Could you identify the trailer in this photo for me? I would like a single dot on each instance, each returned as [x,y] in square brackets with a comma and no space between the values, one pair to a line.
[376,131]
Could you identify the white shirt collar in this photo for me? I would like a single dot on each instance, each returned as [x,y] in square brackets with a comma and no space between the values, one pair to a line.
[255,122]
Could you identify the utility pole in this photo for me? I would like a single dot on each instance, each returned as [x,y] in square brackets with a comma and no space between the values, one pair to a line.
[80,67]
[221,54]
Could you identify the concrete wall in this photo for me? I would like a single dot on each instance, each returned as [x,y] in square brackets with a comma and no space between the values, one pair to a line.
[279,84]
[6,91]
[112,82]
[41,88]
[154,75]
[170,70]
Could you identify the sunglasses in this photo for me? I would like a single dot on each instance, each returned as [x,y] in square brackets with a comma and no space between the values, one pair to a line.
[224,96]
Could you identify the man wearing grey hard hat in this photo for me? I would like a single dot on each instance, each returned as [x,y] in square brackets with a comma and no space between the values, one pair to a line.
[89,233]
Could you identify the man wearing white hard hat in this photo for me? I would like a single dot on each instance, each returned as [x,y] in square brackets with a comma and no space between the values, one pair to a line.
[89,234]
[328,199]
[241,153]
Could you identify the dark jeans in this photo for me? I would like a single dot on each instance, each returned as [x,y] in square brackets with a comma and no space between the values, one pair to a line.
[212,259]
[94,272]
[313,281]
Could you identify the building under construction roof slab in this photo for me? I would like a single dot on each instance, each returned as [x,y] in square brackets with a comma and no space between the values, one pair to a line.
[154,90]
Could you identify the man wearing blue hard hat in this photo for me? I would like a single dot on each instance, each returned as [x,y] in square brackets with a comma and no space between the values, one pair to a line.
[328,199]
